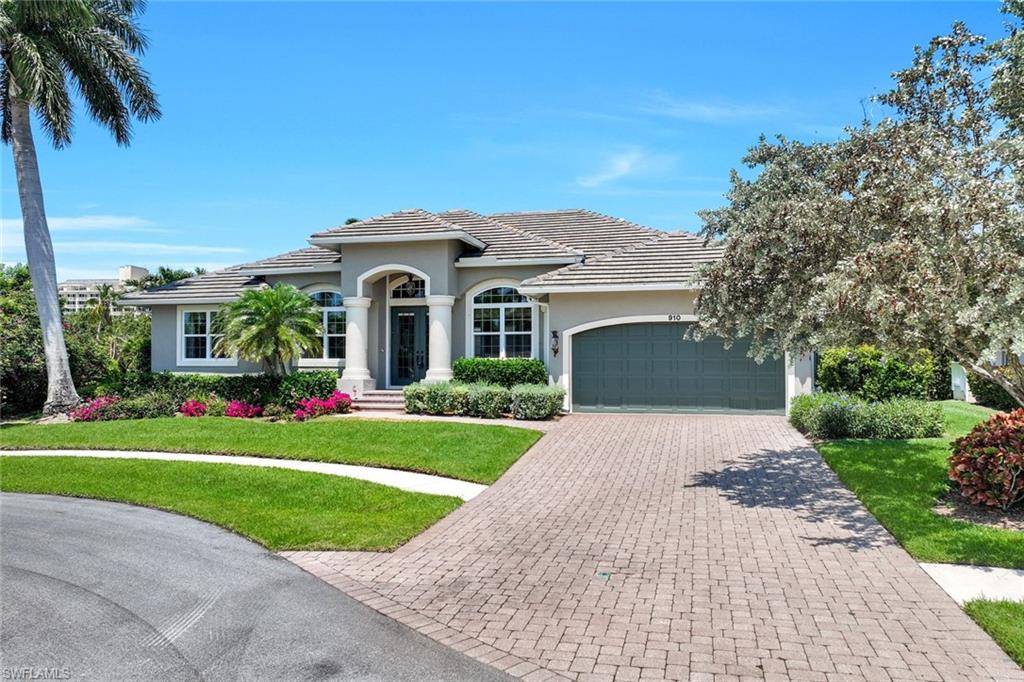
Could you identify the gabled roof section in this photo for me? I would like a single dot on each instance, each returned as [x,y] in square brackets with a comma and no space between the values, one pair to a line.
[668,261]
[507,243]
[212,287]
[413,224]
[592,234]
[311,259]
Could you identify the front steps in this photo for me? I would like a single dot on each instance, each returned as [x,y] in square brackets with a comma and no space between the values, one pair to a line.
[379,401]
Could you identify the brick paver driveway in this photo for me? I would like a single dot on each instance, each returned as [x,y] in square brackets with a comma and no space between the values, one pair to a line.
[681,547]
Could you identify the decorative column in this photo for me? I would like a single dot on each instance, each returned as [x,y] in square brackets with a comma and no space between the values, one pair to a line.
[356,376]
[439,362]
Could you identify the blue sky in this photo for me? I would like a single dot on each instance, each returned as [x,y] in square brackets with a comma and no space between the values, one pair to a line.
[281,119]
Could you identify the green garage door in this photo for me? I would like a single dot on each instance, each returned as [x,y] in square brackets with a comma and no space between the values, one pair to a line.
[652,367]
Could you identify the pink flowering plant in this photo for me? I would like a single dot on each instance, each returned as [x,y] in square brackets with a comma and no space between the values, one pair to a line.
[193,408]
[93,410]
[243,410]
[310,408]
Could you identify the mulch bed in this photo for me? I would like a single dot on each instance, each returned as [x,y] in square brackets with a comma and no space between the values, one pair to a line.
[952,505]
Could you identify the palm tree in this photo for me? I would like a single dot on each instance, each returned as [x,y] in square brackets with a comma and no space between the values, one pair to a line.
[101,309]
[163,275]
[47,45]
[272,326]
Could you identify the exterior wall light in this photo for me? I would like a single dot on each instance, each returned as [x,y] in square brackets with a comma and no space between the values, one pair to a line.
[554,343]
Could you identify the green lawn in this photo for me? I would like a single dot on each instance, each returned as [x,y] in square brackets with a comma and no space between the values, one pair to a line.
[1004,621]
[472,452]
[900,481]
[278,508]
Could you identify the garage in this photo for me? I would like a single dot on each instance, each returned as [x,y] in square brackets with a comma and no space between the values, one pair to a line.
[653,367]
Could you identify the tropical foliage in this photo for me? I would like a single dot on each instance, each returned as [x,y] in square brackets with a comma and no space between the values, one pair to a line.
[121,345]
[45,47]
[988,463]
[163,275]
[905,233]
[271,326]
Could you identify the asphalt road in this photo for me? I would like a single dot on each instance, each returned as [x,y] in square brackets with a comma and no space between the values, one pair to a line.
[106,591]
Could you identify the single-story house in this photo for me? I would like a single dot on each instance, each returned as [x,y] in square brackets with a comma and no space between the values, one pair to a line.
[603,302]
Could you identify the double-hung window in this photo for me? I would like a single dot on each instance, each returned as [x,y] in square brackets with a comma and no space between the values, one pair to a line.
[502,324]
[199,338]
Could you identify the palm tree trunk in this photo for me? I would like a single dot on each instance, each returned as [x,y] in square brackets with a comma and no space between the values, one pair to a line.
[60,390]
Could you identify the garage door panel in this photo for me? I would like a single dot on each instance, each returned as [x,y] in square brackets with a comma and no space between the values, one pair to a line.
[654,367]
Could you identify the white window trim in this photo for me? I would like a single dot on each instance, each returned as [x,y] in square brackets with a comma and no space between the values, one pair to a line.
[198,362]
[471,306]
[323,361]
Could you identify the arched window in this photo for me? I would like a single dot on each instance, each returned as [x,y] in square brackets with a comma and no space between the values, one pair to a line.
[502,324]
[333,323]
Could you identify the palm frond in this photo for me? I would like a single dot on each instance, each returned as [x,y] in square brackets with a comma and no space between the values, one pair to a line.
[92,44]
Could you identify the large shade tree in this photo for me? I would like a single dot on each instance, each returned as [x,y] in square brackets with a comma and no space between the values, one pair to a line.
[272,326]
[48,47]
[907,233]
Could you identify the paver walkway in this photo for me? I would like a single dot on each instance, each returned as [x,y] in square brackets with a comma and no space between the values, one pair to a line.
[633,547]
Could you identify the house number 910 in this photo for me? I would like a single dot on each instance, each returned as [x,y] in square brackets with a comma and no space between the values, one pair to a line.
[675,318]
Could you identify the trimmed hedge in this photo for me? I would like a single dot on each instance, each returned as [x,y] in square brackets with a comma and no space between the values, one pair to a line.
[868,373]
[988,463]
[503,372]
[837,415]
[255,389]
[991,394]
[524,401]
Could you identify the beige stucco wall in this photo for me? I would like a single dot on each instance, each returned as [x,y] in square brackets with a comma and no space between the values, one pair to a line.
[436,259]
[571,310]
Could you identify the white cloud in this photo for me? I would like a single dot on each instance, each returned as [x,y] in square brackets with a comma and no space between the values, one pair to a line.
[141,248]
[125,223]
[663,104]
[626,164]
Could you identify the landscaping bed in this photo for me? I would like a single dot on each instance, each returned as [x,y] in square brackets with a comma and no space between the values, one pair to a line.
[277,508]
[471,452]
[900,482]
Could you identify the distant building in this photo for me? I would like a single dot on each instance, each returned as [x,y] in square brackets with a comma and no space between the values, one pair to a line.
[76,293]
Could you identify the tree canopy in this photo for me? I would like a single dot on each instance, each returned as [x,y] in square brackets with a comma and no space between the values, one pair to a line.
[906,233]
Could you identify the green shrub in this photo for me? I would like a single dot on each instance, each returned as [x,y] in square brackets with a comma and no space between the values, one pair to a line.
[414,395]
[488,400]
[503,372]
[524,401]
[530,401]
[804,407]
[255,389]
[837,415]
[901,418]
[991,394]
[298,385]
[147,406]
[868,373]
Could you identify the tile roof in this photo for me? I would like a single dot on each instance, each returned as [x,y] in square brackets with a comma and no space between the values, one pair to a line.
[669,259]
[301,258]
[505,242]
[590,233]
[413,223]
[217,285]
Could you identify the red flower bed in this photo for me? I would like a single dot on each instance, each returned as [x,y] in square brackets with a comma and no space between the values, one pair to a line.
[93,410]
[988,463]
[309,408]
[193,408]
[237,408]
